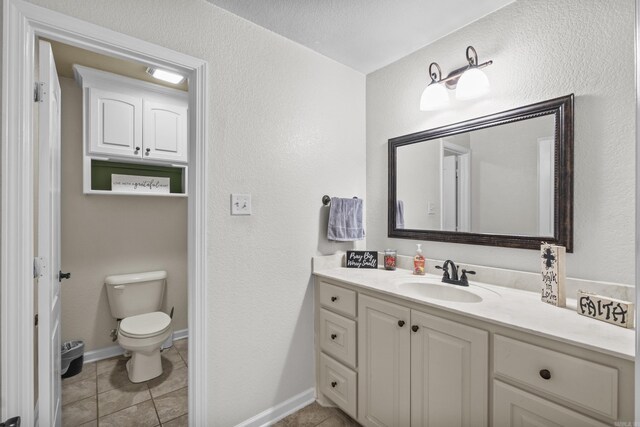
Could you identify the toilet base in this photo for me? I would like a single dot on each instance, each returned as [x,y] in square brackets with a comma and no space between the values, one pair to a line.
[144,366]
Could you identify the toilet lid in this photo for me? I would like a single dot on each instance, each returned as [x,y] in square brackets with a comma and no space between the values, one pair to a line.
[144,325]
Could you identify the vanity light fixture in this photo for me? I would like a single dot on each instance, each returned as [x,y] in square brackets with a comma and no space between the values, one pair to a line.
[166,76]
[468,81]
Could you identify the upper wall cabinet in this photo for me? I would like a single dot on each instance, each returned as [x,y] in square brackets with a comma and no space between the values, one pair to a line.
[128,119]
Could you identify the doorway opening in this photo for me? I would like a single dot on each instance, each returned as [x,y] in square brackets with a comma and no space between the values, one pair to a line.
[24,24]
[108,229]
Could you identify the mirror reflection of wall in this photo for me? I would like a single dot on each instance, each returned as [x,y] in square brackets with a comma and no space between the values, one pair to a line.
[496,180]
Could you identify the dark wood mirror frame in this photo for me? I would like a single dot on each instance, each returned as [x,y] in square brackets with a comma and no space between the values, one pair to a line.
[562,108]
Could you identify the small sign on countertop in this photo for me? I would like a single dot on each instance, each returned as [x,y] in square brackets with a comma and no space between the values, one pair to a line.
[553,274]
[362,259]
[607,309]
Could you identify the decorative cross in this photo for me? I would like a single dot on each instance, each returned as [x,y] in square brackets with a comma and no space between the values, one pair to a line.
[549,257]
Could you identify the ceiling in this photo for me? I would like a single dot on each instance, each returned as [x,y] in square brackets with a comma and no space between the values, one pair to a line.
[66,55]
[363,34]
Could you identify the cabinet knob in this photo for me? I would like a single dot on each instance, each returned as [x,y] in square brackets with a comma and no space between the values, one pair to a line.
[334,299]
[401,323]
[415,328]
[334,384]
[545,374]
[148,150]
[137,150]
[334,336]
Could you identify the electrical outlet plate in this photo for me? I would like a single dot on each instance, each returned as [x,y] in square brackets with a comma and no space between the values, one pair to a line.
[241,204]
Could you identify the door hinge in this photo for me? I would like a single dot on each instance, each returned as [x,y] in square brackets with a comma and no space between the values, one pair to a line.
[35,320]
[38,92]
[39,267]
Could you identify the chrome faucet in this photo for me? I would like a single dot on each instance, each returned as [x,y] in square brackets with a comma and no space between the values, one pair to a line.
[453,277]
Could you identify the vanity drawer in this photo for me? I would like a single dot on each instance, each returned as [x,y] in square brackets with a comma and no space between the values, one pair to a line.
[338,337]
[586,384]
[338,383]
[514,407]
[338,299]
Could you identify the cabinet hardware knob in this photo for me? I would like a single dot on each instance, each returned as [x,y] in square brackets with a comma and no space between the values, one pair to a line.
[137,150]
[62,275]
[415,328]
[545,374]
[334,384]
[334,299]
[334,336]
[401,323]
[148,150]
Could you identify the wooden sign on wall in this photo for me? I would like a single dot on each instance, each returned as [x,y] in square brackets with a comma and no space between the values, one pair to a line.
[607,309]
[553,274]
[362,259]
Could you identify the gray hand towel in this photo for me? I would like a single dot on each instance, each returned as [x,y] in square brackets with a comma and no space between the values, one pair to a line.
[345,220]
[399,214]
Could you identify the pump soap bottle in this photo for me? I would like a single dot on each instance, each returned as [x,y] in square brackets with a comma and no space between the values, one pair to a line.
[418,262]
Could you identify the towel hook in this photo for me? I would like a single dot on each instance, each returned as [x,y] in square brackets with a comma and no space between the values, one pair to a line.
[326,200]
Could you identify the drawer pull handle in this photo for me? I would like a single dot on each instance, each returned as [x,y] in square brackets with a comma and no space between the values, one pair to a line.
[334,299]
[334,336]
[545,374]
[415,328]
[334,384]
[401,323]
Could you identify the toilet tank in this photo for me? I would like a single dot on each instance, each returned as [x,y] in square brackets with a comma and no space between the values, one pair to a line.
[135,293]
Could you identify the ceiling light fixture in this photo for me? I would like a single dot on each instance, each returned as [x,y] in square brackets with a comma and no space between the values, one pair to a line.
[166,76]
[468,81]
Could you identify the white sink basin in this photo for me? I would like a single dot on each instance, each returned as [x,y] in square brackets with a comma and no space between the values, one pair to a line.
[439,291]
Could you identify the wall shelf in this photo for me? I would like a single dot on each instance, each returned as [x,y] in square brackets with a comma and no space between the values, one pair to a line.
[98,180]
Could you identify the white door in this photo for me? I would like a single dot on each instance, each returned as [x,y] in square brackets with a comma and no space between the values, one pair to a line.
[384,363]
[449,194]
[449,373]
[546,182]
[49,411]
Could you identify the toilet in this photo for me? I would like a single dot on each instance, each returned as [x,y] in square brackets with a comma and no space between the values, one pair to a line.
[135,300]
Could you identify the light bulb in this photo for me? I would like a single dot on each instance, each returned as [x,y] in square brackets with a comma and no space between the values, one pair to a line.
[165,75]
[434,97]
[472,84]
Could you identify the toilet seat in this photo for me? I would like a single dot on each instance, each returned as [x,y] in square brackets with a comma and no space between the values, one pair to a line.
[145,325]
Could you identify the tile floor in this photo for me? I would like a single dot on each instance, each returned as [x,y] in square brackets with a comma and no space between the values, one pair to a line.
[315,415]
[103,395]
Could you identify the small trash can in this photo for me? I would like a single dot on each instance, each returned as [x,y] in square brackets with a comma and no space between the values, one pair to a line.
[72,357]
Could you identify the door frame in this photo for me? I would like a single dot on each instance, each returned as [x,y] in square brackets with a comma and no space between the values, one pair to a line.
[463,202]
[22,24]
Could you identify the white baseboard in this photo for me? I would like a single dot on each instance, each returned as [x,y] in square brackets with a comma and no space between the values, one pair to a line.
[278,412]
[116,350]
[181,334]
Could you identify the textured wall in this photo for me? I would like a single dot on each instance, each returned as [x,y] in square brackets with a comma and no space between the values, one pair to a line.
[96,240]
[287,125]
[541,49]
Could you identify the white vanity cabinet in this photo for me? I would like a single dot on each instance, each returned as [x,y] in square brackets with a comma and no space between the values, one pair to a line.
[415,364]
[132,120]
[420,370]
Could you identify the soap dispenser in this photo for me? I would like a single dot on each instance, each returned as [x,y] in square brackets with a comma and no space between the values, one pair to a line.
[418,262]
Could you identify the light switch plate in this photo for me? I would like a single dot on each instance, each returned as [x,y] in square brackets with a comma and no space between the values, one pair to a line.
[241,204]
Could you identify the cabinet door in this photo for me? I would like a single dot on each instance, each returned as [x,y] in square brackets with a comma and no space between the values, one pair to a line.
[449,373]
[384,363]
[115,124]
[165,131]
[513,407]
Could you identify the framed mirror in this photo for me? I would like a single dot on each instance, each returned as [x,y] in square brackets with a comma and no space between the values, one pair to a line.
[503,180]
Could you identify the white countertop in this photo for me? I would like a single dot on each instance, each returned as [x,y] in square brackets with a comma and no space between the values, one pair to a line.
[513,308]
